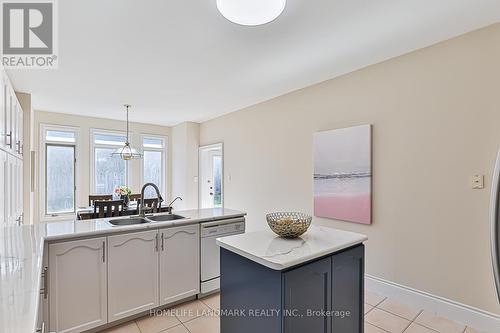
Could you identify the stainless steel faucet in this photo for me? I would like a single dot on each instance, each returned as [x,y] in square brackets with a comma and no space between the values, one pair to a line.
[169,207]
[142,210]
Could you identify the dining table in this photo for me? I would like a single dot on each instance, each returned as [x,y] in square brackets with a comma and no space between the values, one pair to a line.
[87,213]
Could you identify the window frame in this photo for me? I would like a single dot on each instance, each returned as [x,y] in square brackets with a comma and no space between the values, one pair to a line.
[93,146]
[164,151]
[44,128]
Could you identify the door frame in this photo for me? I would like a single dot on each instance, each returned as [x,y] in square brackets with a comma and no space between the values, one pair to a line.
[202,149]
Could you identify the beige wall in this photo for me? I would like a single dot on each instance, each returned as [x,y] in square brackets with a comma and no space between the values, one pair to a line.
[185,142]
[436,122]
[85,124]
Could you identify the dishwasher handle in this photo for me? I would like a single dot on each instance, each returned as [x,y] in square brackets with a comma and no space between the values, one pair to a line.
[205,225]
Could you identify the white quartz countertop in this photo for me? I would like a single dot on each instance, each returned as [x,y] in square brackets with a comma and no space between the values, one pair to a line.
[21,258]
[266,248]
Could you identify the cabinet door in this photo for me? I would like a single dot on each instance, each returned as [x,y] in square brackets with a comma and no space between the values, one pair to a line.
[348,289]
[10,193]
[132,273]
[3,188]
[15,123]
[19,191]
[179,263]
[8,119]
[3,108]
[21,129]
[77,285]
[308,288]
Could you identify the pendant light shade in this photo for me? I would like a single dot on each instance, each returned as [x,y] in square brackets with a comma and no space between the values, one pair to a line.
[127,152]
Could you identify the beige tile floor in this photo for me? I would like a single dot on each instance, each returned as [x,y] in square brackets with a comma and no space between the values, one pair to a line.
[382,315]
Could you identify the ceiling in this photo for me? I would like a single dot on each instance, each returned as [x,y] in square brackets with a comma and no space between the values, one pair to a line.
[181,60]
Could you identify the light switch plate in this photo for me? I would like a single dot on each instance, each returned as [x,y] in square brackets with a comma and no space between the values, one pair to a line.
[478,182]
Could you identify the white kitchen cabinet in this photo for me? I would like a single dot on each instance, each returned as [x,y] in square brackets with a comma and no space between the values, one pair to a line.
[11,141]
[21,130]
[18,142]
[132,273]
[179,263]
[19,191]
[9,133]
[77,285]
[3,187]
[3,108]
[10,190]
[12,184]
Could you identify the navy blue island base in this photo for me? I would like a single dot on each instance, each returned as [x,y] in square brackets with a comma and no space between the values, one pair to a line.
[325,295]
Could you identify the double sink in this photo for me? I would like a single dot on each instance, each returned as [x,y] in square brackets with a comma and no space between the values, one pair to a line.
[140,220]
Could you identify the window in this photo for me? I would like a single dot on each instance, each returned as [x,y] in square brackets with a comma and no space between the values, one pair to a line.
[153,164]
[59,145]
[109,172]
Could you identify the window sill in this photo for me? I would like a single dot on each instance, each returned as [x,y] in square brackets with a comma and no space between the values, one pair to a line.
[58,217]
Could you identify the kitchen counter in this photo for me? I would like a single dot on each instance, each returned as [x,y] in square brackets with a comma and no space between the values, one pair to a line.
[266,248]
[21,258]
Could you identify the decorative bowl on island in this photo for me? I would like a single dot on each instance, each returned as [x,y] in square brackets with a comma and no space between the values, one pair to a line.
[289,224]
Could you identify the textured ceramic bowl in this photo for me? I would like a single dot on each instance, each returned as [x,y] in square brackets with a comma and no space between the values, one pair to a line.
[289,224]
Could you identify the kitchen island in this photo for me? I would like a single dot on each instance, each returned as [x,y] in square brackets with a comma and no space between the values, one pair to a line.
[310,284]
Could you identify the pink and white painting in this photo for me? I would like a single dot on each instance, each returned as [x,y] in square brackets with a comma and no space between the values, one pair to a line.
[343,174]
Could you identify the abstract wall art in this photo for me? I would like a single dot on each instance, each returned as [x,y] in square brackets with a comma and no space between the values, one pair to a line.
[343,174]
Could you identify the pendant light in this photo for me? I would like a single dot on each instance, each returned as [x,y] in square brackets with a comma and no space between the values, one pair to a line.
[127,152]
[251,12]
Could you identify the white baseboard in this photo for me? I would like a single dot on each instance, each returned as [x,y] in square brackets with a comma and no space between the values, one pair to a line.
[465,314]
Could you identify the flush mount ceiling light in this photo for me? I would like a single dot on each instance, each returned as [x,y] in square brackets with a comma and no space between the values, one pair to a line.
[127,152]
[251,12]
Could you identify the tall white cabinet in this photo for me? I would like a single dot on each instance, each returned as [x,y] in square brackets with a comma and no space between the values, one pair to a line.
[11,154]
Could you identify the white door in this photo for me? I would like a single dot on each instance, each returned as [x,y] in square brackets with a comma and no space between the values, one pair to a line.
[132,273]
[211,176]
[179,263]
[77,285]
[3,188]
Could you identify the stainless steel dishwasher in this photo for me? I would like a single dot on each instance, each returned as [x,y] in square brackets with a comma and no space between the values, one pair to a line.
[210,255]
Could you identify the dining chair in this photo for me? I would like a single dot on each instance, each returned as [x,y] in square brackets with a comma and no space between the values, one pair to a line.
[100,197]
[153,204]
[108,208]
[135,197]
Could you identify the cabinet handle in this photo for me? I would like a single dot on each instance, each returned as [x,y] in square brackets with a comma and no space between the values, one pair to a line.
[41,329]
[103,251]
[45,275]
[156,243]
[162,242]
[9,135]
